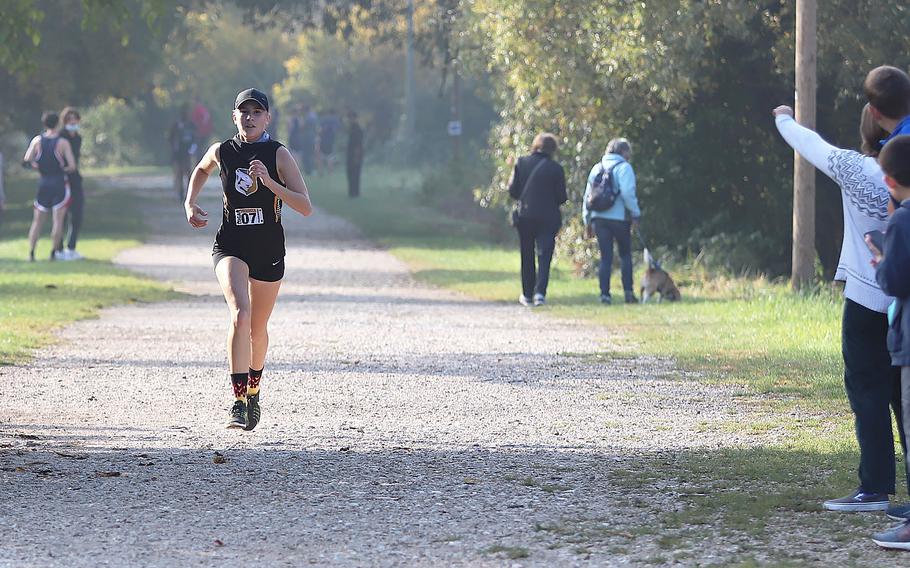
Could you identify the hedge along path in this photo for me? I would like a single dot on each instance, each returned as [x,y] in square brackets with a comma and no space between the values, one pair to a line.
[401,424]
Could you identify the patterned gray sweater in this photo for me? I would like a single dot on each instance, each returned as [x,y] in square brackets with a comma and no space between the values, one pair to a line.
[865,198]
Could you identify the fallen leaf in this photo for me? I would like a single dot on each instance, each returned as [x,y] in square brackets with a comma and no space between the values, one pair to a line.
[50,286]
[73,456]
[219,542]
[219,458]
[107,473]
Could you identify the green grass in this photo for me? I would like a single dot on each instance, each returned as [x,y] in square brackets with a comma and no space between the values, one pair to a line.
[746,331]
[37,298]
[781,349]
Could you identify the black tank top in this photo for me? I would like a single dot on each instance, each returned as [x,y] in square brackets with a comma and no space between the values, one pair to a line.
[50,164]
[251,224]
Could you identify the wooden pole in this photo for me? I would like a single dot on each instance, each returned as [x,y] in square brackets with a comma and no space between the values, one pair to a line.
[409,106]
[456,109]
[803,172]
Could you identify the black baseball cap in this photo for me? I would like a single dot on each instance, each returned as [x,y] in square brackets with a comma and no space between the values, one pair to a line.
[252,95]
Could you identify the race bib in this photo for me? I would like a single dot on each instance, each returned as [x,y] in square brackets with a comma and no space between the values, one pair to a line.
[248,216]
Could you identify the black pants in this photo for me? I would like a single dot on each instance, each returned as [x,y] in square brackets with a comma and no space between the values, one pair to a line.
[608,230]
[873,389]
[905,413]
[354,178]
[76,210]
[531,232]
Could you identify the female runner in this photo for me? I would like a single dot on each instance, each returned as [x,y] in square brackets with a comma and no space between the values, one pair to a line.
[258,174]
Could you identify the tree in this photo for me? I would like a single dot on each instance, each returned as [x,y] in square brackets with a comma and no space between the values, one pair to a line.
[692,84]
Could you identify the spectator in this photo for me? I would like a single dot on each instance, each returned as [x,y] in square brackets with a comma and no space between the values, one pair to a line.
[182,139]
[309,132]
[2,194]
[539,184]
[354,155]
[893,274]
[202,125]
[616,222]
[53,157]
[872,384]
[888,92]
[295,132]
[328,127]
[75,212]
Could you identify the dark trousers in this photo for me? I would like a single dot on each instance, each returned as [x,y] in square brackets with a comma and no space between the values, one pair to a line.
[608,230]
[354,178]
[905,414]
[76,209]
[531,232]
[873,389]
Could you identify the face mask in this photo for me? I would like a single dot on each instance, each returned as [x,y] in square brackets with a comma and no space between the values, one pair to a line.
[72,127]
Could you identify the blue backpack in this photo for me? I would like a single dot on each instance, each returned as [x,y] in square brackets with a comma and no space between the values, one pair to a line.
[604,190]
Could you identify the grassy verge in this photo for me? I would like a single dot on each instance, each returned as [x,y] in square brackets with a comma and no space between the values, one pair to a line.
[36,298]
[783,349]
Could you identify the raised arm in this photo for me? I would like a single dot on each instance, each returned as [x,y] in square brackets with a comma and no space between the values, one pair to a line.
[807,142]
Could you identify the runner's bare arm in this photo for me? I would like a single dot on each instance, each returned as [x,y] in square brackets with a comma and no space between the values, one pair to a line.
[67,150]
[195,215]
[296,194]
[32,151]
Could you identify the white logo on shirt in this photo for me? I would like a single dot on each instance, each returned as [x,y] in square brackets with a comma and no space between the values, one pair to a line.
[244,183]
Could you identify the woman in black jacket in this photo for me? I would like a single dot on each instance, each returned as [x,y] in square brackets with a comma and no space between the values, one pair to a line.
[539,184]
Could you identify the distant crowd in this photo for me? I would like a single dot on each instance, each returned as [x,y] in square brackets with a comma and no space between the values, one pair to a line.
[311,137]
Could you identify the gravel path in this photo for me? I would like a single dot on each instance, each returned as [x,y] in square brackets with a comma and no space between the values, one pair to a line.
[402,425]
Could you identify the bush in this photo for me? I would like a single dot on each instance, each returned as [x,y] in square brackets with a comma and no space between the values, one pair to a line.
[112,134]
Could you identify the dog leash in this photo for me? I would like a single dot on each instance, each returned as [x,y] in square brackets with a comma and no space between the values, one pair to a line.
[641,238]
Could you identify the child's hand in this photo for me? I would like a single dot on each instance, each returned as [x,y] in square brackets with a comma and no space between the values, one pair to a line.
[876,253]
[782,109]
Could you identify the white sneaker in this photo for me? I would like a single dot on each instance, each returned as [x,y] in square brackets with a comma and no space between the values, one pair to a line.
[539,300]
[60,255]
[71,254]
[524,301]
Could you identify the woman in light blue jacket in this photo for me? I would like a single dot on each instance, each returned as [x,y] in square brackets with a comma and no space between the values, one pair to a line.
[616,222]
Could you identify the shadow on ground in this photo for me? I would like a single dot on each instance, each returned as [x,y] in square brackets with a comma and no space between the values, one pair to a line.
[69,501]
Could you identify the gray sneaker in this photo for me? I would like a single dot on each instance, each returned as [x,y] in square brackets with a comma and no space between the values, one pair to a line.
[859,501]
[606,299]
[899,512]
[897,538]
[539,300]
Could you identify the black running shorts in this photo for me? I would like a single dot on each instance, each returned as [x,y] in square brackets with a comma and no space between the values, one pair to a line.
[262,267]
[53,193]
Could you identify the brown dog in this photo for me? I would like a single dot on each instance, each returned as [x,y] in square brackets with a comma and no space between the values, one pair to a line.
[657,280]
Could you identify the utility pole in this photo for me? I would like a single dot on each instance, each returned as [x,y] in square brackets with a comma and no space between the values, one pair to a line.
[455,120]
[409,110]
[803,172]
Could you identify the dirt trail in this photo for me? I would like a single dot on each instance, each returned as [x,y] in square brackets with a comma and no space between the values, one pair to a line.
[401,425]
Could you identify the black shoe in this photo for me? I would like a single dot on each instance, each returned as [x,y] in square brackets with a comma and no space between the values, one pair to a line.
[606,299]
[857,501]
[253,413]
[630,298]
[238,415]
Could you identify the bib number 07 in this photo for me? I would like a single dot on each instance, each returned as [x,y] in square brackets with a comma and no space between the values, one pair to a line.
[248,216]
